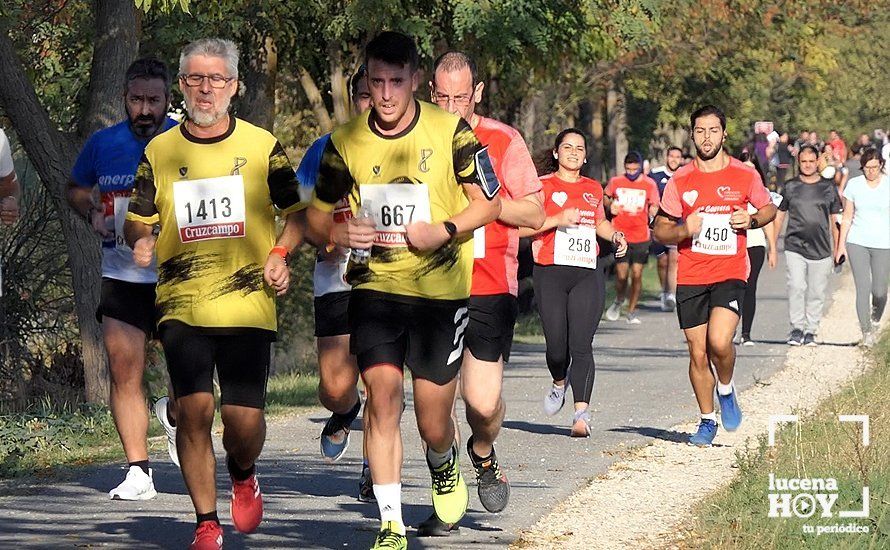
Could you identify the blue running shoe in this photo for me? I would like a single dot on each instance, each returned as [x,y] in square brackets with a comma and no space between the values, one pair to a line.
[335,435]
[730,413]
[707,431]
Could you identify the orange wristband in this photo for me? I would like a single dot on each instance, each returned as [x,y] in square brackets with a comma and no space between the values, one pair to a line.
[279,250]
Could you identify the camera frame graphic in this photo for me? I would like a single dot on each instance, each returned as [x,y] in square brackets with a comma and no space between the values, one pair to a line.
[776,419]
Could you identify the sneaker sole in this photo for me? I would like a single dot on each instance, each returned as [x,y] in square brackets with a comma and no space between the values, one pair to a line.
[700,445]
[795,344]
[337,456]
[170,431]
[141,496]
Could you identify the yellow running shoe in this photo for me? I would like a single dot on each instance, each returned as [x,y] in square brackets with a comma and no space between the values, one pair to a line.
[391,537]
[450,495]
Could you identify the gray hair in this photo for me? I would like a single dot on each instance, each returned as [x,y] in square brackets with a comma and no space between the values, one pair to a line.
[212,47]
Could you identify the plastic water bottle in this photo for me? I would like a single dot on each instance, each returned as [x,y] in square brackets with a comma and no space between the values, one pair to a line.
[361,255]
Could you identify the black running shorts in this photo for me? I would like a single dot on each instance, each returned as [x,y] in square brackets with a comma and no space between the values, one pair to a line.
[490,332]
[131,303]
[695,302]
[637,253]
[425,335]
[332,314]
[240,356]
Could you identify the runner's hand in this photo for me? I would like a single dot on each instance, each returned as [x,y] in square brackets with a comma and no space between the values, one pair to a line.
[620,245]
[615,208]
[426,236]
[569,217]
[840,253]
[693,223]
[772,258]
[740,219]
[359,233]
[97,219]
[276,274]
[9,210]
[144,250]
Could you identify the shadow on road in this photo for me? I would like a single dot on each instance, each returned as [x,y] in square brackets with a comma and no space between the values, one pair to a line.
[544,429]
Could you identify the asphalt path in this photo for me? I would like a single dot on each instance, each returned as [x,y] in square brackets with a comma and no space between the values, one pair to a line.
[641,390]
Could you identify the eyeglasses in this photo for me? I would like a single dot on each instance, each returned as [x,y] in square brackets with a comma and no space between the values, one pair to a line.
[872,167]
[216,80]
[442,99]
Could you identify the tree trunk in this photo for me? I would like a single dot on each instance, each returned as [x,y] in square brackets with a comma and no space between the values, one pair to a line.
[315,100]
[258,103]
[339,84]
[597,134]
[115,47]
[52,154]
[617,116]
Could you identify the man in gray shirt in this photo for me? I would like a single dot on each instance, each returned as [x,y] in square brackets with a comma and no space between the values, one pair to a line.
[810,202]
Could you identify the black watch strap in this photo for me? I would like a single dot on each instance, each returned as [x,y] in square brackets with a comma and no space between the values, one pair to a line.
[450,228]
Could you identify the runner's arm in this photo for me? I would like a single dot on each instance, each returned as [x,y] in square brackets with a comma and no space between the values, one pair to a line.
[776,231]
[525,211]
[669,230]
[142,214]
[479,212]
[846,222]
[334,181]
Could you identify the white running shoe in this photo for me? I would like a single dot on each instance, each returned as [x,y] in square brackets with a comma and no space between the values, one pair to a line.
[614,311]
[670,302]
[160,409]
[554,400]
[632,318]
[137,486]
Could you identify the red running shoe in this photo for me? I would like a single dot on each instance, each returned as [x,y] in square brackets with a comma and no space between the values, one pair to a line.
[247,505]
[208,536]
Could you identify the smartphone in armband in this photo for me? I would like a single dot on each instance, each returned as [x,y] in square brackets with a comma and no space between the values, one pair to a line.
[488,180]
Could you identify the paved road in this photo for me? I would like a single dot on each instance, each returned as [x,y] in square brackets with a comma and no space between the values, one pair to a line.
[641,391]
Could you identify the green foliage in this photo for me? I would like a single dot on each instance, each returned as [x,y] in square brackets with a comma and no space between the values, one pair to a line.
[52,433]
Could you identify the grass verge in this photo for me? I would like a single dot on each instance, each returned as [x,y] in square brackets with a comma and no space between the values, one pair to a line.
[816,447]
[51,435]
[528,328]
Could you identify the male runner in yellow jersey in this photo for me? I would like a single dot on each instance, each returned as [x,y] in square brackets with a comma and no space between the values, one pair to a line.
[421,184]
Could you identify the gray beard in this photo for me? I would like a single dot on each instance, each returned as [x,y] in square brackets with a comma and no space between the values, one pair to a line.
[204,119]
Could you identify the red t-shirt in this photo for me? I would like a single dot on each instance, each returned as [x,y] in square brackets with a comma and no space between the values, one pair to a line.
[585,194]
[635,198]
[718,253]
[495,272]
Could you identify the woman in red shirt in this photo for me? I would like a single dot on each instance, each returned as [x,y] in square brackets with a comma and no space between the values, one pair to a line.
[569,288]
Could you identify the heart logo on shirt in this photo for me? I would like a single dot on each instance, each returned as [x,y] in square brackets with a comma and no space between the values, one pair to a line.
[589,198]
[689,197]
[722,191]
[560,197]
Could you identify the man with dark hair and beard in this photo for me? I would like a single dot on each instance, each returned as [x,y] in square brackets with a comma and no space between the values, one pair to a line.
[127,305]
[704,211]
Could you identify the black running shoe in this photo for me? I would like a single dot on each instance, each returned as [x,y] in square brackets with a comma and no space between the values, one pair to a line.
[366,486]
[335,435]
[435,527]
[491,483]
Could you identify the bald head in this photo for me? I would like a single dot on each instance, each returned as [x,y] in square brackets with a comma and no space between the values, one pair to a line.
[455,86]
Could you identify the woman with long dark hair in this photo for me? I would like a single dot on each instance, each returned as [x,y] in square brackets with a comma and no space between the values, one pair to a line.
[569,287]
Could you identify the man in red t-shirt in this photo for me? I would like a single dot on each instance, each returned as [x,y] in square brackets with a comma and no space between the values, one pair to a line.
[492,307]
[704,211]
[632,198]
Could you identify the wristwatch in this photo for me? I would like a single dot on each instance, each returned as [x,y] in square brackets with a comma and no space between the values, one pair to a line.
[753,224]
[450,228]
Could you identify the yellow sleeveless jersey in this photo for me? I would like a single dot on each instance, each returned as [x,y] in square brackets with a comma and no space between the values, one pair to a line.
[215,201]
[413,176]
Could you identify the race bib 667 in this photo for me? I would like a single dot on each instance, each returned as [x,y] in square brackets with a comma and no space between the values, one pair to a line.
[211,208]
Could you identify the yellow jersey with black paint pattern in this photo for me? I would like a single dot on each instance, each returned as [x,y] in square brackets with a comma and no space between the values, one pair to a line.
[215,201]
[415,175]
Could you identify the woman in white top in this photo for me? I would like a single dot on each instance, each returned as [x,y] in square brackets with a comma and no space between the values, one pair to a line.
[865,239]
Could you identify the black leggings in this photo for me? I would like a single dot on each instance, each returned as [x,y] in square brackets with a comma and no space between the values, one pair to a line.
[570,302]
[749,306]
